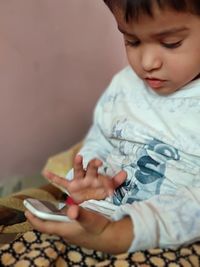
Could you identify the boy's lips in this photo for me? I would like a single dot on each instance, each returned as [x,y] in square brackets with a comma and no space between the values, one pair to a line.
[154,82]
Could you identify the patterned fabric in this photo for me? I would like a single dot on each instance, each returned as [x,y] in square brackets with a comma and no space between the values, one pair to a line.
[34,249]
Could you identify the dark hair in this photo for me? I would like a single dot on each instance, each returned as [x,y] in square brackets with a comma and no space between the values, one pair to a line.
[134,8]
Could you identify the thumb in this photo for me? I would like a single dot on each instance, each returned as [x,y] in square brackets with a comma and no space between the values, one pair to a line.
[91,221]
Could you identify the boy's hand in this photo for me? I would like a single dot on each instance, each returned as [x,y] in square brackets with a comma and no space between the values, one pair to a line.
[89,229]
[88,184]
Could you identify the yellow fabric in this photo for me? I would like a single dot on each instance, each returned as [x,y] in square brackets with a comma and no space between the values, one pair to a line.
[61,163]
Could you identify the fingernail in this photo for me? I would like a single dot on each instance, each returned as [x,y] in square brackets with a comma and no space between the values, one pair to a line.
[110,193]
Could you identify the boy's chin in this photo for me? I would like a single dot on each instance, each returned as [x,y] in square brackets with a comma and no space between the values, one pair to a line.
[164,91]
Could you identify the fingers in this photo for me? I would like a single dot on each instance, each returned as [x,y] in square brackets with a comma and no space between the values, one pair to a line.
[61,181]
[110,184]
[92,168]
[91,176]
[88,183]
[72,212]
[119,179]
[41,225]
[91,171]
[85,219]
[49,175]
[107,185]
[79,172]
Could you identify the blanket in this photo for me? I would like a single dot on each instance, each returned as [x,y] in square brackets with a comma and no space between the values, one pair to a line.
[21,246]
[36,249]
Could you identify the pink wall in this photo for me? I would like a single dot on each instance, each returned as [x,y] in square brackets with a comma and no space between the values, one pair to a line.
[56,58]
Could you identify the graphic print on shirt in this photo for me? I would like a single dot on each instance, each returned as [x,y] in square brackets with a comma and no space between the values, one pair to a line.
[147,172]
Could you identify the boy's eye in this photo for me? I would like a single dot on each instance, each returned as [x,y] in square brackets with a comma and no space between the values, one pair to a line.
[136,43]
[132,43]
[172,45]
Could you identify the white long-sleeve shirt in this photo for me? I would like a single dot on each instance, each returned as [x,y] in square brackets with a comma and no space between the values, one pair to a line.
[156,140]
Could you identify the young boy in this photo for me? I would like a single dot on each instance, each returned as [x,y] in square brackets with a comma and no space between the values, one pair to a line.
[143,151]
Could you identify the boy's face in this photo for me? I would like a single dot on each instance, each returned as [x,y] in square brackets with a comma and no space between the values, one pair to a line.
[164,51]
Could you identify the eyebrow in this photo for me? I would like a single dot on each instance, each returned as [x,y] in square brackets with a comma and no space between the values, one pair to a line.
[159,34]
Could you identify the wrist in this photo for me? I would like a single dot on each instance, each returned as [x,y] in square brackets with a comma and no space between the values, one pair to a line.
[123,230]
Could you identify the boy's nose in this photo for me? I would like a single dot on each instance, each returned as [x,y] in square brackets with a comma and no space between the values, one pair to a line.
[150,61]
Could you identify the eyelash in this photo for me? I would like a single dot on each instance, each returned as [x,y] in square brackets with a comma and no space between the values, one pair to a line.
[166,45]
[172,45]
[132,44]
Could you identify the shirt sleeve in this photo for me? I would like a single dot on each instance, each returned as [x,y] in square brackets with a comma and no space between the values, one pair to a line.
[165,221]
[96,144]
